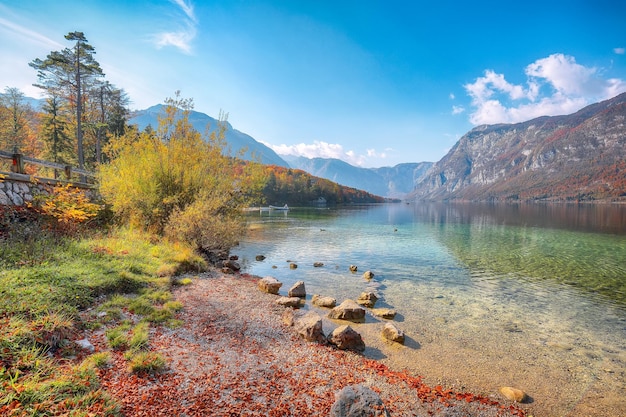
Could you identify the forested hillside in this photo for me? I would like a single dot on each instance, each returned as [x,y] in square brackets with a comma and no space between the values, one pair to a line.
[298,188]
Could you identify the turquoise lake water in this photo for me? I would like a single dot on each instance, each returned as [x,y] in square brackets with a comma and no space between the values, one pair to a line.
[529,294]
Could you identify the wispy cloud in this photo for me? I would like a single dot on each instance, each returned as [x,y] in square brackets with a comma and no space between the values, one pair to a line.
[619,51]
[25,33]
[187,8]
[183,36]
[555,85]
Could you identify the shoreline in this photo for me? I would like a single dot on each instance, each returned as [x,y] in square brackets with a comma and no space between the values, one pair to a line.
[234,356]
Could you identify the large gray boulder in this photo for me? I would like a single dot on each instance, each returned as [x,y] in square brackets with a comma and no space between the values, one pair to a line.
[346,338]
[358,401]
[348,310]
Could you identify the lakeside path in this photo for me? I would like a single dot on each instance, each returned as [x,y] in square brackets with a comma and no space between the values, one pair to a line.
[233,356]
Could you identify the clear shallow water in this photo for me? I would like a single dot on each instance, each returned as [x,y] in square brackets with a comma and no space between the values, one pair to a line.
[489,295]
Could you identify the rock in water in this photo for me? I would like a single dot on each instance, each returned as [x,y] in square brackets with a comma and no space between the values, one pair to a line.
[385,313]
[391,332]
[348,310]
[320,301]
[367,299]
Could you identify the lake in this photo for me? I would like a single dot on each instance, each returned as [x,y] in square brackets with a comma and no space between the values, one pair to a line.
[528,295]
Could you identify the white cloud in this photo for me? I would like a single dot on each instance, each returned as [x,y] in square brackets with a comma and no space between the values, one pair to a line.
[564,74]
[321,149]
[452,96]
[619,51]
[555,85]
[182,37]
[458,109]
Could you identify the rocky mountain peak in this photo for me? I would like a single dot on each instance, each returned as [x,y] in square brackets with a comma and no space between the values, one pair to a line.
[580,156]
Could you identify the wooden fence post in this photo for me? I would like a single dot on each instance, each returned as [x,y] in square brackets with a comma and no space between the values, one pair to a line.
[17,164]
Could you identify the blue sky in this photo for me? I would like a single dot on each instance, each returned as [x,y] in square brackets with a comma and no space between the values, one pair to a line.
[374,83]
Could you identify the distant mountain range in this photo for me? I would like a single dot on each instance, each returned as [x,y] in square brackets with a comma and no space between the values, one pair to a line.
[393,182]
[581,156]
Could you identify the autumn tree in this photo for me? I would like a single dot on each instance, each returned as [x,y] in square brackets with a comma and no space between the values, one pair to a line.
[15,116]
[68,74]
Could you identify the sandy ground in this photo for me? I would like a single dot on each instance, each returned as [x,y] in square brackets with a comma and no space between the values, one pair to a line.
[233,356]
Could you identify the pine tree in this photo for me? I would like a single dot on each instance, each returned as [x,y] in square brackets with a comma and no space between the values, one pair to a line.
[54,133]
[68,74]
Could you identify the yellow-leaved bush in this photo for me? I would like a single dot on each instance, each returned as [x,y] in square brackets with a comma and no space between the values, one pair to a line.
[68,205]
[177,182]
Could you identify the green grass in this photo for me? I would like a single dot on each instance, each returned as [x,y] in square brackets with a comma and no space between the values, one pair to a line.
[146,362]
[45,281]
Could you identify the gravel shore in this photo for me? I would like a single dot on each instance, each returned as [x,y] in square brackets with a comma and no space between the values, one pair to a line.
[233,356]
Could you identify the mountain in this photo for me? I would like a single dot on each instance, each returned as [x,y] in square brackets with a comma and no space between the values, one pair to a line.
[394,182]
[575,157]
[236,140]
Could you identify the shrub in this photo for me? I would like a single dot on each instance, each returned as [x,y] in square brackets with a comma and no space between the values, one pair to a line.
[202,225]
[68,206]
[176,175]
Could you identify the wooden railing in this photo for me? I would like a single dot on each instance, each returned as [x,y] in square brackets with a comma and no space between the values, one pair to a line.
[78,176]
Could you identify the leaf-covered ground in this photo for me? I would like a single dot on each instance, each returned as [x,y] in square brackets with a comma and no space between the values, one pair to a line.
[232,356]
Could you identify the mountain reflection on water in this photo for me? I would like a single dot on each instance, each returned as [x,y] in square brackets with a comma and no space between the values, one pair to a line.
[598,218]
[539,241]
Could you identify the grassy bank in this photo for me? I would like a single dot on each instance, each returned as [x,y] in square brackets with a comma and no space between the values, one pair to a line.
[52,288]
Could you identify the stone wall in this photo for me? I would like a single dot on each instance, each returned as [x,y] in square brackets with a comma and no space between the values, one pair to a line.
[18,189]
